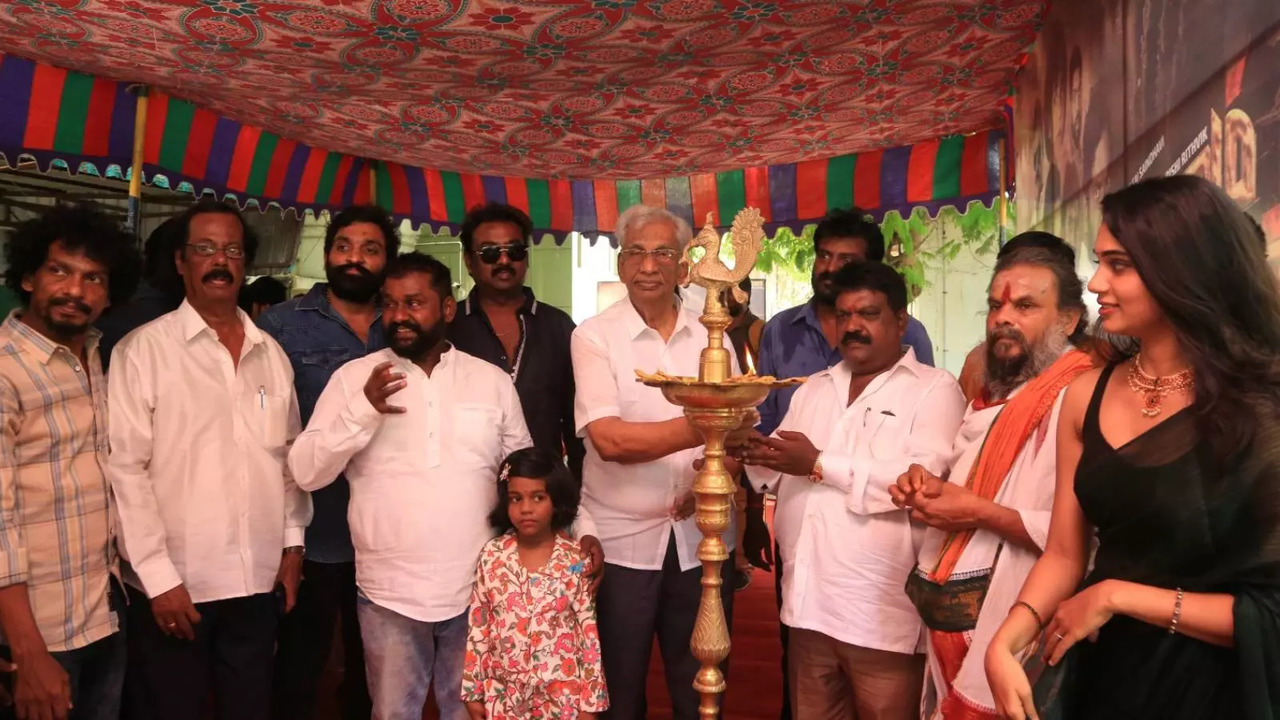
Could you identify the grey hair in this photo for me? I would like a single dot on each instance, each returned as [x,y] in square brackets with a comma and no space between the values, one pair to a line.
[637,216]
[1070,286]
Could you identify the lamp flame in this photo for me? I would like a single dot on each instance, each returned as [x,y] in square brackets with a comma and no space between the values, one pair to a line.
[751,361]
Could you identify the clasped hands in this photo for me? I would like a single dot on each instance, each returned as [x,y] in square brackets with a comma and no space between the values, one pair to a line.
[934,501]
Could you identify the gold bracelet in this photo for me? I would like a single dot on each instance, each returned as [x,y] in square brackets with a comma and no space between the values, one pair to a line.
[1036,615]
[815,474]
[1177,613]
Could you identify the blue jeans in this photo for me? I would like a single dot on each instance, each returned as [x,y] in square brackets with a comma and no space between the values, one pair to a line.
[401,657]
[96,672]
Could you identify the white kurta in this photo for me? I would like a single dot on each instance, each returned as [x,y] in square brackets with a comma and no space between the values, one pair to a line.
[846,549]
[1028,490]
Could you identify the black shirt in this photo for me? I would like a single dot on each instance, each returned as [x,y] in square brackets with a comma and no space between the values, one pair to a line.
[544,376]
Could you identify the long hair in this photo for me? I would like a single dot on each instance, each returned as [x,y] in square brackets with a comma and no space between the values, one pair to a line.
[1203,265]
[540,465]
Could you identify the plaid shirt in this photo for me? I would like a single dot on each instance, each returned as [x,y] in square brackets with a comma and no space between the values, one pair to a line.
[55,514]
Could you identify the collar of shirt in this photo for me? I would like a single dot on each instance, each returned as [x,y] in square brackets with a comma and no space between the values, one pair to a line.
[443,367]
[193,325]
[317,300]
[842,376]
[471,306]
[636,326]
[42,347]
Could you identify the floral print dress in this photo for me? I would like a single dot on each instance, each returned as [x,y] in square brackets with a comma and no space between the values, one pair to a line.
[533,650]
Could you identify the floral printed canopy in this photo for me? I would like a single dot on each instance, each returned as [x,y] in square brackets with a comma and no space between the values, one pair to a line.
[600,89]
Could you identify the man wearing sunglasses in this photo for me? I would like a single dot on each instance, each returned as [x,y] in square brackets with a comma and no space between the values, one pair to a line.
[503,323]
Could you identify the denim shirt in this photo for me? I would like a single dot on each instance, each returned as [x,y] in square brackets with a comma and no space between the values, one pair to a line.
[318,342]
[793,345]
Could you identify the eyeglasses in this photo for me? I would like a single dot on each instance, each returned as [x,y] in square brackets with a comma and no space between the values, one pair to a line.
[208,249]
[489,254]
[661,256]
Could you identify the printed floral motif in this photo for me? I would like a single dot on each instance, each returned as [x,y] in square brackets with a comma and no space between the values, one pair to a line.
[533,650]
[708,63]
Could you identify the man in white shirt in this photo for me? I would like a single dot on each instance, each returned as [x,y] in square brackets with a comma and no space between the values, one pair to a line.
[202,413]
[419,430]
[638,472]
[848,435]
[988,516]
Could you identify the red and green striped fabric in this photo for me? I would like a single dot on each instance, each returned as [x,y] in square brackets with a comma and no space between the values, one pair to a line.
[954,170]
[51,113]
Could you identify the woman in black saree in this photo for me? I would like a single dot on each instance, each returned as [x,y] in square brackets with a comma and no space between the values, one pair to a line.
[1171,454]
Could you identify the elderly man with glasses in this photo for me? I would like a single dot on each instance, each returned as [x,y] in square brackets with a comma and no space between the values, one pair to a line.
[638,472]
[203,410]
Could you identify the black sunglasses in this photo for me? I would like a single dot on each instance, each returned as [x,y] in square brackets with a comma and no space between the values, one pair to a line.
[489,254]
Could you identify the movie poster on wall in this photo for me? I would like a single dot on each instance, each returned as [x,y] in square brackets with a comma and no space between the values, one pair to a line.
[1227,132]
[1068,136]
[1159,66]
[1173,48]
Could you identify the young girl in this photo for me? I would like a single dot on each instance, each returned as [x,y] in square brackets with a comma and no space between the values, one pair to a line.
[533,650]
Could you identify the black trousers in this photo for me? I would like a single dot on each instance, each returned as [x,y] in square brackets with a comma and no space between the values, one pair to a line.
[326,598]
[783,634]
[171,679]
[633,606]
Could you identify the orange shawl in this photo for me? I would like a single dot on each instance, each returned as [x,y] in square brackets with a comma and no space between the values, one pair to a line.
[1021,415]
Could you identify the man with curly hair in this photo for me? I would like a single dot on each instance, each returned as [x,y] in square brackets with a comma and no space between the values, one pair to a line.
[60,610]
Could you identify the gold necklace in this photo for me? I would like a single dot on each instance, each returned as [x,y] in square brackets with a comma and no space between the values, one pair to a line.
[1154,389]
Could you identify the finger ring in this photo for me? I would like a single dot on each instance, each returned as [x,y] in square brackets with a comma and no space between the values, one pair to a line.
[1060,636]
[171,624]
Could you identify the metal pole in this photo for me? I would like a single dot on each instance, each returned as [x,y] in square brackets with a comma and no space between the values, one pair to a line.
[134,222]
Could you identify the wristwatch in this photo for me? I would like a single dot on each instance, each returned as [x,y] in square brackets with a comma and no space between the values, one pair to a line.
[295,550]
[815,475]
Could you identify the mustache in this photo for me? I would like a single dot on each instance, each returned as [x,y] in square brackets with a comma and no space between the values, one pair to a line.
[393,327]
[73,303]
[855,338]
[1007,332]
[360,269]
[218,274]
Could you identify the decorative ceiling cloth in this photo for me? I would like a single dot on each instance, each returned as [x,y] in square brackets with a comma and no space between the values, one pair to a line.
[52,115]
[573,89]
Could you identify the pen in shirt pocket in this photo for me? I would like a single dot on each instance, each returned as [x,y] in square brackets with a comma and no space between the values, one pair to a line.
[262,397]
[867,415]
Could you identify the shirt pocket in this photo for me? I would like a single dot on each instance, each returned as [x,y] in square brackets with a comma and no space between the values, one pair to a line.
[477,435]
[312,369]
[888,436]
[267,417]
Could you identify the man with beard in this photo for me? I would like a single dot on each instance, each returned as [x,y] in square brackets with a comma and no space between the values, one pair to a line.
[806,339]
[419,429]
[988,516]
[972,374]
[850,432]
[203,410]
[334,323]
[502,322]
[59,606]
